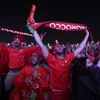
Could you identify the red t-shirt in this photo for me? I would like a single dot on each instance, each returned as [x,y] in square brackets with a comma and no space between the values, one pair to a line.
[16,58]
[59,71]
[20,87]
[27,72]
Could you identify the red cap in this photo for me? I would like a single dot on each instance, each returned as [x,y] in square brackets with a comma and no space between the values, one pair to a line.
[19,37]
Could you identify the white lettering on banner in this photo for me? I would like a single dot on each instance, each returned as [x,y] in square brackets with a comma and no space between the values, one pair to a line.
[67,27]
[58,26]
[52,25]
[74,27]
[63,27]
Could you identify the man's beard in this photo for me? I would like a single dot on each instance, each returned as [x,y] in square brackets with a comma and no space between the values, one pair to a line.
[59,53]
[17,45]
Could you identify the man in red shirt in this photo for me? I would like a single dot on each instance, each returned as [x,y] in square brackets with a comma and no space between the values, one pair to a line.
[16,60]
[32,81]
[58,63]
[59,67]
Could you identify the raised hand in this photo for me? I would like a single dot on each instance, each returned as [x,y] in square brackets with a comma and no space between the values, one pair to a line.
[30,28]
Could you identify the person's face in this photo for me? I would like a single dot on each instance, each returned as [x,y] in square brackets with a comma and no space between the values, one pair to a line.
[17,43]
[58,49]
[34,59]
[91,52]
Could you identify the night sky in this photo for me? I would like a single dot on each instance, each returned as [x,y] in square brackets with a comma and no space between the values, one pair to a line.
[13,15]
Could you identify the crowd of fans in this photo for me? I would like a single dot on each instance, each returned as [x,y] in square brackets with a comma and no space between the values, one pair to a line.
[30,79]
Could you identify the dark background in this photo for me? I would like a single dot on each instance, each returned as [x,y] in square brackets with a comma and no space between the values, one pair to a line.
[13,15]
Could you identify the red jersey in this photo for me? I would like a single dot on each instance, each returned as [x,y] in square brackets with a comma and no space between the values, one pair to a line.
[11,58]
[59,71]
[16,58]
[22,89]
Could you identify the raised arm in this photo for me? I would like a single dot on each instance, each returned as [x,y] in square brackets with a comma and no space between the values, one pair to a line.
[30,20]
[40,43]
[82,44]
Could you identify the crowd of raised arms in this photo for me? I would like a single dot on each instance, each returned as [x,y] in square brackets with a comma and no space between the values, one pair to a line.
[57,71]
